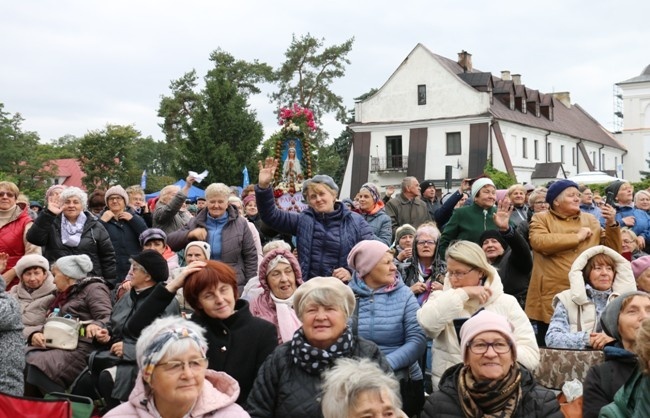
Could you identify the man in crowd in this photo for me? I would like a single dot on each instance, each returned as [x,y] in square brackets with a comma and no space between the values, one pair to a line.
[407,207]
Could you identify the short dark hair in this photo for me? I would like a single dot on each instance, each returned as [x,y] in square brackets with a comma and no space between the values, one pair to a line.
[209,277]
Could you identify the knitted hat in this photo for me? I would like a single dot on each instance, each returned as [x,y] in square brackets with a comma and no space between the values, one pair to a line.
[372,189]
[558,187]
[339,290]
[34,203]
[154,263]
[271,257]
[366,255]
[116,190]
[493,233]
[153,233]
[614,187]
[609,317]
[640,265]
[204,246]
[75,266]
[248,199]
[405,229]
[479,184]
[486,321]
[31,260]
[323,179]
[425,185]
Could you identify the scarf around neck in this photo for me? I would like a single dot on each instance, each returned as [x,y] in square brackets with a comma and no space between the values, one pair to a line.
[314,360]
[492,398]
[288,321]
[71,232]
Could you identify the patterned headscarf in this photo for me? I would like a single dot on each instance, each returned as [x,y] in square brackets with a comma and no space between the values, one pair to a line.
[372,189]
[159,346]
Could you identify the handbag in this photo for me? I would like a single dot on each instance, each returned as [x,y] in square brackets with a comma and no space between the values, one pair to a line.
[559,365]
[412,393]
[61,332]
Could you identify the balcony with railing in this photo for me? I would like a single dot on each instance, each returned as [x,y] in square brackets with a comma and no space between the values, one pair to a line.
[392,163]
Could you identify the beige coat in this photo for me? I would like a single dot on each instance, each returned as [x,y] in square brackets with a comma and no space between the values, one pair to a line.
[34,306]
[436,319]
[555,245]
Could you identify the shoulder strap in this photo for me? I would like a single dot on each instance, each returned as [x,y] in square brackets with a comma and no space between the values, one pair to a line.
[355,317]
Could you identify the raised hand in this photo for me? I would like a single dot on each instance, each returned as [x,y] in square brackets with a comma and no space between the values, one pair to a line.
[502,215]
[267,172]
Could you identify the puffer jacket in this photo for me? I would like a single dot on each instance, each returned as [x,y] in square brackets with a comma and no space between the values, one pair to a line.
[34,305]
[283,389]
[515,264]
[12,345]
[536,401]
[125,239]
[437,314]
[324,240]
[641,225]
[555,245]
[217,399]
[12,239]
[237,245]
[95,243]
[577,310]
[387,317]
[631,400]
[380,223]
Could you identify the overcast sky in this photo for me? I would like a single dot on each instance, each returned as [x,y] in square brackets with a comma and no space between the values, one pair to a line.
[70,66]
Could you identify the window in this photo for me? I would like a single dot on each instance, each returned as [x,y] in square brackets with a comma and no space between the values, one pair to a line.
[562,154]
[536,149]
[394,151]
[453,143]
[574,155]
[524,147]
[422,94]
[549,153]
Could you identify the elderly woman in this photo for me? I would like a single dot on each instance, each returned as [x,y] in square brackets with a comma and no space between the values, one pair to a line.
[138,203]
[627,214]
[358,389]
[12,360]
[238,342]
[517,195]
[227,232]
[424,273]
[630,244]
[598,276]
[288,384]
[174,380]
[557,237]
[621,320]
[386,315]
[167,213]
[588,205]
[403,246]
[641,270]
[124,227]
[66,228]
[279,276]
[35,291]
[537,204]
[469,222]
[78,296]
[371,207]
[490,381]
[642,200]
[14,224]
[326,231]
[471,284]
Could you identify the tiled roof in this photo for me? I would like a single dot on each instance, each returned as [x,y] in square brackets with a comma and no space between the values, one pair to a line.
[71,170]
[547,171]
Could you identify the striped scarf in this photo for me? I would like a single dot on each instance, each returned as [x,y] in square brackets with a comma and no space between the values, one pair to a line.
[492,398]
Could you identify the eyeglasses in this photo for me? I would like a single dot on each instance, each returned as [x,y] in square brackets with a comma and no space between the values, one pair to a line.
[426,242]
[10,195]
[481,347]
[176,367]
[540,203]
[459,274]
[628,241]
[114,198]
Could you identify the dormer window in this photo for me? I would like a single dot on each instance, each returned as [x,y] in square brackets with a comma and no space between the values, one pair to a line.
[422,94]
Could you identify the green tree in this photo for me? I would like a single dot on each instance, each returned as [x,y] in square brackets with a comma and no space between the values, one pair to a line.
[214,128]
[501,180]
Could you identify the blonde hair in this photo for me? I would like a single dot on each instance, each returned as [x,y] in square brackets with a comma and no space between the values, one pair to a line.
[469,253]
[217,189]
[514,188]
[11,186]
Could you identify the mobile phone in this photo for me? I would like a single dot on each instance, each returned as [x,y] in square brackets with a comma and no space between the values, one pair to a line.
[609,200]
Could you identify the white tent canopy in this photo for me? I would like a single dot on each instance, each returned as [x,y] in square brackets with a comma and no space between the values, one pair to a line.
[593,177]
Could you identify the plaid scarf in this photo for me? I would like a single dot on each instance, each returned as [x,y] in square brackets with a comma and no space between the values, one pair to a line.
[314,360]
[492,398]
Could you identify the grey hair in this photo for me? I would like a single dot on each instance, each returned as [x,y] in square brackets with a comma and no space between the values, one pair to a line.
[470,253]
[161,325]
[639,193]
[324,296]
[428,228]
[348,379]
[217,189]
[406,182]
[167,190]
[514,187]
[72,191]
[275,244]
[535,194]
[136,189]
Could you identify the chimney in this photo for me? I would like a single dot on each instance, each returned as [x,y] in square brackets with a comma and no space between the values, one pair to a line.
[505,75]
[564,97]
[516,79]
[465,61]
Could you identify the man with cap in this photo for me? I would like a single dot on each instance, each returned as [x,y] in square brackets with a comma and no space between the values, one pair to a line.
[124,227]
[469,222]
[200,203]
[557,237]
[428,193]
[407,207]
[627,214]
[149,268]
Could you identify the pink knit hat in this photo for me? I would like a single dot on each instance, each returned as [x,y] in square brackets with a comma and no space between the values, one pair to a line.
[486,321]
[248,199]
[640,265]
[366,255]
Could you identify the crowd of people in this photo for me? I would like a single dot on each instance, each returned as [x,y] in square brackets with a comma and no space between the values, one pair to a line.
[405,305]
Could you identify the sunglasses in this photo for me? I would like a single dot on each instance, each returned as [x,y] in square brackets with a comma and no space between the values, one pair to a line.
[8,194]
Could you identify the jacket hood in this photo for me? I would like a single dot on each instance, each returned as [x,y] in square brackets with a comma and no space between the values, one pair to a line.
[264,264]
[219,391]
[48,287]
[378,208]
[623,280]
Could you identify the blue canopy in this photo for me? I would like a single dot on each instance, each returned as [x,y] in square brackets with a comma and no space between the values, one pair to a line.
[194,193]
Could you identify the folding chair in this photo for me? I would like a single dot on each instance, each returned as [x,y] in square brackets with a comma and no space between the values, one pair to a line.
[16,406]
[82,406]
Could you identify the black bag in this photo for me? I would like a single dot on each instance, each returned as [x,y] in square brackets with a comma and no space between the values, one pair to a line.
[412,392]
